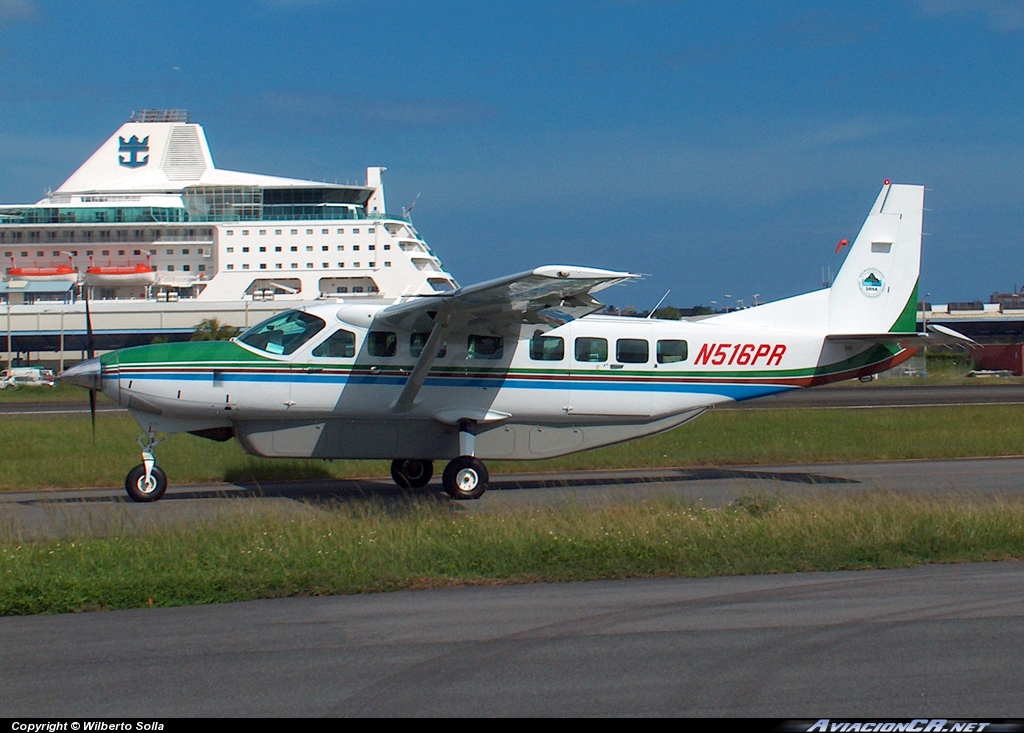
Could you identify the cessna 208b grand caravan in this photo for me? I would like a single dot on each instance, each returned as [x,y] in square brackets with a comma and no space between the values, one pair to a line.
[513,368]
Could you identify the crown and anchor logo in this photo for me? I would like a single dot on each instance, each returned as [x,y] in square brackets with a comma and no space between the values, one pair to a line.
[133,146]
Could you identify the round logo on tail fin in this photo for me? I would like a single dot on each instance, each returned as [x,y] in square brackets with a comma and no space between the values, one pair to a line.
[871,283]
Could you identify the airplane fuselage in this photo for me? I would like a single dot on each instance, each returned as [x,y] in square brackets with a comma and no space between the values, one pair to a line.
[532,392]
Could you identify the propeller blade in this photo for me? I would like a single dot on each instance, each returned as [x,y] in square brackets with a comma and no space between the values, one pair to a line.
[91,351]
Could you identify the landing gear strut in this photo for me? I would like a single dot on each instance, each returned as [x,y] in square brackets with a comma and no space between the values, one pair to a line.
[466,476]
[146,482]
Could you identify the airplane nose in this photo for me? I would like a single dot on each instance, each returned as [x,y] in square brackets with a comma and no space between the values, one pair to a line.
[88,374]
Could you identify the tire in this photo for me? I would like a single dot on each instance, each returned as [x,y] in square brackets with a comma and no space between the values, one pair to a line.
[134,484]
[411,473]
[465,478]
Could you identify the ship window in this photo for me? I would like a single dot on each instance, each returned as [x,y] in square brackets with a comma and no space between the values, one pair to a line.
[309,264]
[262,249]
[342,289]
[355,264]
[137,252]
[231,267]
[230,250]
[294,249]
[357,289]
[277,232]
[244,249]
[324,264]
[170,268]
[324,248]
[325,231]
[341,247]
[387,247]
[8,254]
[202,268]
[484,347]
[186,268]
[120,253]
[245,266]
[591,349]
[355,231]
[263,265]
[245,232]
[105,253]
[283,333]
[152,251]
[381,343]
[309,248]
[309,231]
[632,351]
[341,231]
[418,340]
[355,247]
[170,252]
[341,264]
[370,230]
[277,249]
[387,264]
[547,348]
[341,345]
[277,265]
[88,253]
[230,232]
[184,251]
[263,232]
[372,247]
[295,231]
[671,351]
[55,253]
[295,265]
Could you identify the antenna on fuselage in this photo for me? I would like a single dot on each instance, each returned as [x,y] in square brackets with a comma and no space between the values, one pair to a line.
[651,314]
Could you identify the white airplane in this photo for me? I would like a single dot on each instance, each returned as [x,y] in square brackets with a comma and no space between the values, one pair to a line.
[513,368]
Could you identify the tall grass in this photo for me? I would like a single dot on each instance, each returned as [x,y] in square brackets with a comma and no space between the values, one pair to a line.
[261,552]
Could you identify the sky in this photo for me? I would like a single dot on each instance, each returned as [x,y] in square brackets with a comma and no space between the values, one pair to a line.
[720,148]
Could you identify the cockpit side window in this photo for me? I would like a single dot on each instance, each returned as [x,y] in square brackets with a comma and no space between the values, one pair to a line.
[284,333]
[340,345]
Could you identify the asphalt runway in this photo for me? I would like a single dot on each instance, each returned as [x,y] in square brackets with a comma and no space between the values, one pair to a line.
[926,642]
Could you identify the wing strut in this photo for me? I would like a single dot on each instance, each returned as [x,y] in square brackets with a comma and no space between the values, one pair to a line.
[426,360]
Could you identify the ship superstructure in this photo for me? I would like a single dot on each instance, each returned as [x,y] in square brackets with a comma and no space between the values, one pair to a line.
[149,225]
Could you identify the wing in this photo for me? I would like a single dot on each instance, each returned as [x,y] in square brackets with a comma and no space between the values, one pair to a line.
[554,294]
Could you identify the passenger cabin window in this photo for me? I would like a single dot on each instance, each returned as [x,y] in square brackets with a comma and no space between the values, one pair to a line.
[547,348]
[382,343]
[284,333]
[341,345]
[484,347]
[632,351]
[591,349]
[418,340]
[671,351]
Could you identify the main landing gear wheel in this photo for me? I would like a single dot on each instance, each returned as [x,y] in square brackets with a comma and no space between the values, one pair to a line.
[141,490]
[410,473]
[465,478]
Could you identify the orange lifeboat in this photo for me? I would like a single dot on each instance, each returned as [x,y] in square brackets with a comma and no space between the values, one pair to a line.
[56,272]
[115,275]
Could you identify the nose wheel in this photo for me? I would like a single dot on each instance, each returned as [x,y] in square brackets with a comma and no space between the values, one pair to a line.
[465,478]
[146,482]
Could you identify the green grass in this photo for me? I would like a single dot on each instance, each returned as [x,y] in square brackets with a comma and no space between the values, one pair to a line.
[41,452]
[262,552]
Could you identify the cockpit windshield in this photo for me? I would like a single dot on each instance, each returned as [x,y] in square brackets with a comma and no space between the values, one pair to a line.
[283,333]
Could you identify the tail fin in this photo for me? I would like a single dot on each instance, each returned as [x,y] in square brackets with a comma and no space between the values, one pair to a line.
[876,288]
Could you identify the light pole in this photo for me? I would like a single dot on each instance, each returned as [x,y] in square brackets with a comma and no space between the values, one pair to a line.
[727,304]
[756,296]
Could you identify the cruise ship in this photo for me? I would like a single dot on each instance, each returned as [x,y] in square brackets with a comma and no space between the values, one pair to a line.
[159,239]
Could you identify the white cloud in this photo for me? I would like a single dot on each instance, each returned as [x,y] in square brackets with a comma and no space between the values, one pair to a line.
[1002,15]
[14,10]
